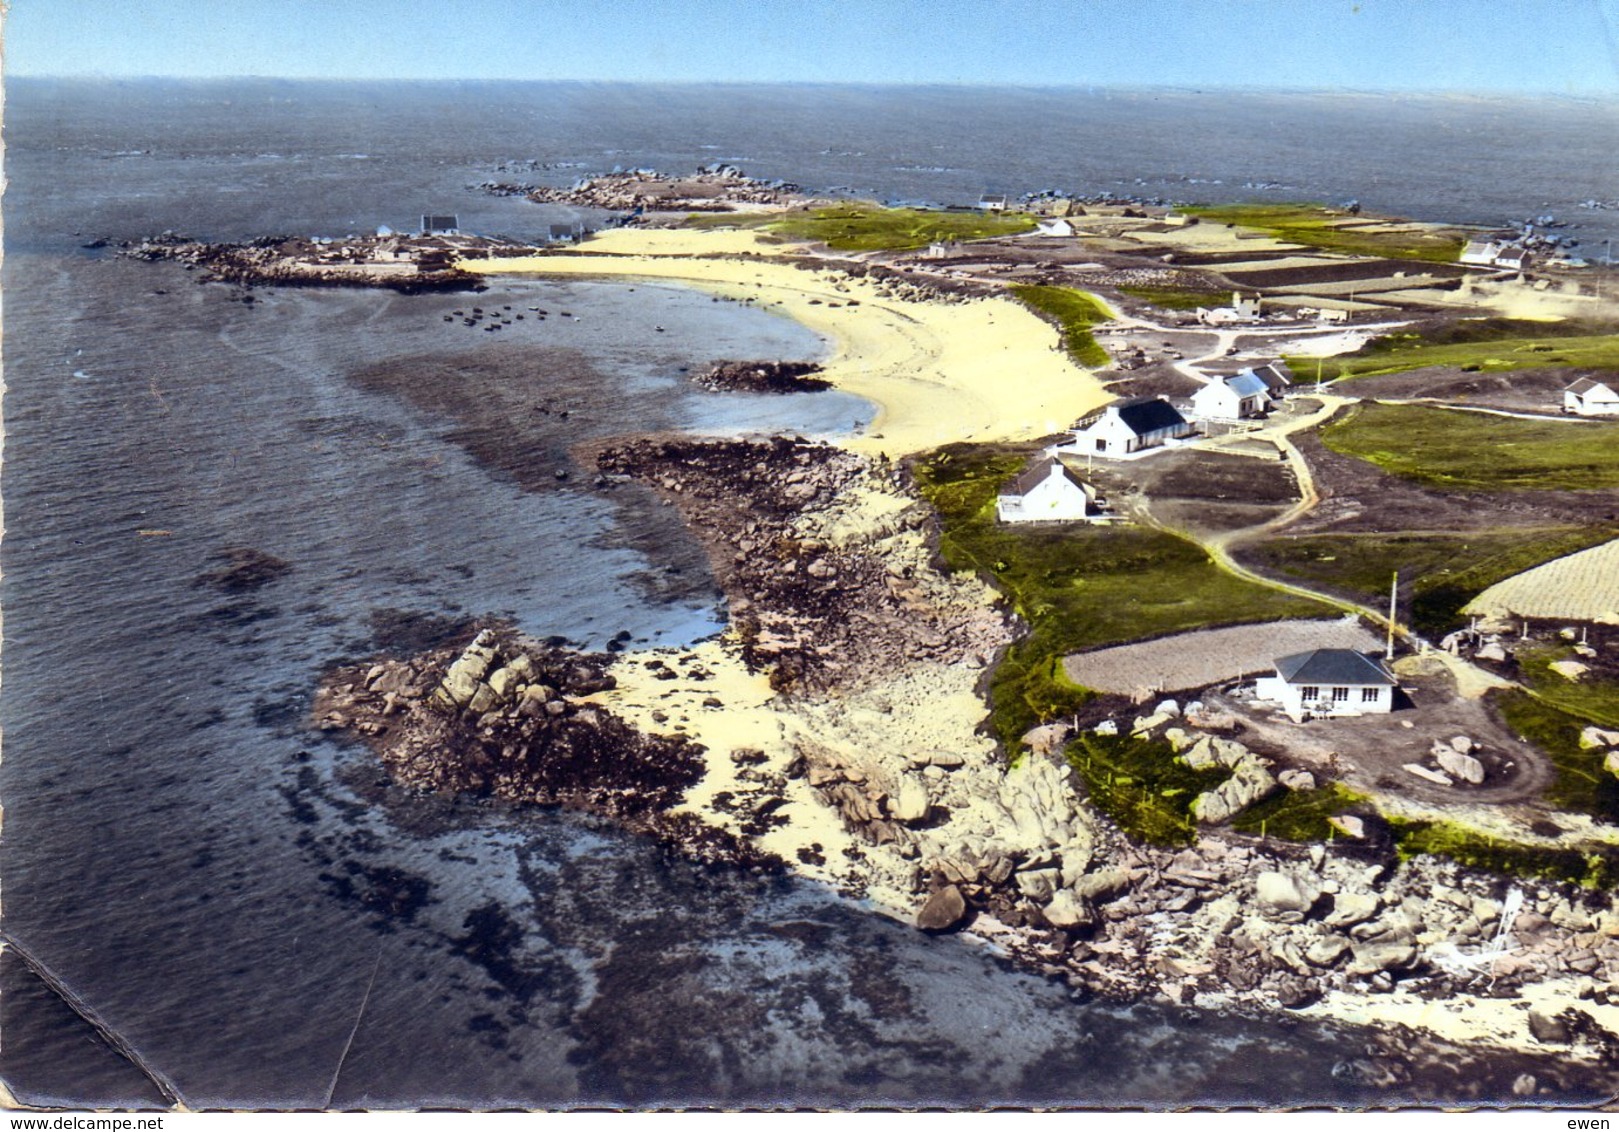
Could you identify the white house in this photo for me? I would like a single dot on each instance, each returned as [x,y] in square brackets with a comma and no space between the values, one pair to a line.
[1047,492]
[1178,219]
[1129,426]
[1231,398]
[1242,309]
[942,249]
[1591,398]
[1480,253]
[1056,227]
[1513,258]
[1329,682]
[992,203]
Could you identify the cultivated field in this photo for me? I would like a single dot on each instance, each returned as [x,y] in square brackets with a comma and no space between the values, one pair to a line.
[1195,660]
[1580,587]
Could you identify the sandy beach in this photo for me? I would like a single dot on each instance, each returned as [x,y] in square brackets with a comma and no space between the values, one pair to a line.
[984,370]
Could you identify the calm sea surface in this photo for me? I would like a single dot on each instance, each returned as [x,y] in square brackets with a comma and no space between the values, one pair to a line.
[244,902]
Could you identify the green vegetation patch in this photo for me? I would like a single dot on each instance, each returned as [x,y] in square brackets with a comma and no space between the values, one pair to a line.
[1317,226]
[1439,574]
[1589,698]
[1176,298]
[1484,345]
[1301,815]
[1142,785]
[859,227]
[1078,586]
[1582,785]
[1458,450]
[1592,867]
[1075,313]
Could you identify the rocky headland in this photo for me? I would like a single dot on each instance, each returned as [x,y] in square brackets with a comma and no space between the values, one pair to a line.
[713,188]
[838,727]
[405,264]
[762,377]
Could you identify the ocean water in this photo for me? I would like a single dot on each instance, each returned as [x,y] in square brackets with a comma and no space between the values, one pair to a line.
[245,902]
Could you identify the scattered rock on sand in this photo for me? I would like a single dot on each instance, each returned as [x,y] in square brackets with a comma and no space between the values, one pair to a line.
[1548,1029]
[1427,775]
[1284,898]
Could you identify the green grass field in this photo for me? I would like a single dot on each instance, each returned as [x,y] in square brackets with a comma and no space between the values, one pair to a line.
[859,227]
[1467,451]
[1176,298]
[1075,312]
[1439,574]
[1592,868]
[1582,785]
[1301,815]
[1484,345]
[1077,586]
[1590,699]
[1313,225]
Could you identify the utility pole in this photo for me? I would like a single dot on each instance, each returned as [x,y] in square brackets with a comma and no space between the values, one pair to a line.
[1394,598]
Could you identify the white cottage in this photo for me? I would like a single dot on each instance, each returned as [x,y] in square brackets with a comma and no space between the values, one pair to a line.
[1231,398]
[1277,377]
[1589,397]
[1329,682]
[1129,426]
[1047,492]
[1480,253]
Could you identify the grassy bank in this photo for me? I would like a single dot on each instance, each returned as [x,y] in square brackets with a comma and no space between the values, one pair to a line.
[1316,226]
[1077,586]
[1439,574]
[1466,451]
[859,227]
[1596,867]
[1484,345]
[1589,698]
[1301,815]
[1075,313]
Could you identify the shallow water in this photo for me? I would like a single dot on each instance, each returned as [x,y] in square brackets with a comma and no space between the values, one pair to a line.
[236,894]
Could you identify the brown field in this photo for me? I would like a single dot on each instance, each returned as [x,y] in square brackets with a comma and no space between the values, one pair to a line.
[1209,656]
[1522,391]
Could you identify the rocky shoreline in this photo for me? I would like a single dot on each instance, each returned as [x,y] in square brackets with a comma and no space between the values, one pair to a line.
[762,377]
[876,662]
[713,188]
[288,261]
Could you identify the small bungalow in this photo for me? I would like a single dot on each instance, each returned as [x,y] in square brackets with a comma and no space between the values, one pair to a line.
[1513,259]
[1129,426]
[1232,398]
[447,225]
[992,203]
[1480,253]
[1243,308]
[1329,682]
[1053,228]
[942,249]
[1047,492]
[1589,397]
[1178,219]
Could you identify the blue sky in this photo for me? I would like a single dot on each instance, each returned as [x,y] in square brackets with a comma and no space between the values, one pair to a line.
[1550,46]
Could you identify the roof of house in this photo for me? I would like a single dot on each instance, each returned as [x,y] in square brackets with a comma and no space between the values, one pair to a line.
[1142,415]
[1332,666]
[1037,473]
[1586,384]
[1276,376]
[1513,255]
[1247,384]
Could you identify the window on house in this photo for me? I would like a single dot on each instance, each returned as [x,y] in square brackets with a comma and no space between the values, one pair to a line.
[1369,695]
[1309,692]
[1101,444]
[1340,695]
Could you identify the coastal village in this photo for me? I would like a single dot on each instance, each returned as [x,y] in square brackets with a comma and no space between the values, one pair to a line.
[1222,610]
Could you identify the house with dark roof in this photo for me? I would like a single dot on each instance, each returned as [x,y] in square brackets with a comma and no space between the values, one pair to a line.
[1513,258]
[1329,682]
[992,202]
[1047,492]
[1232,398]
[1125,427]
[440,225]
[1589,397]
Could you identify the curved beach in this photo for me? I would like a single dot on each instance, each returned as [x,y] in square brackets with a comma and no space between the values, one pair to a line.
[983,370]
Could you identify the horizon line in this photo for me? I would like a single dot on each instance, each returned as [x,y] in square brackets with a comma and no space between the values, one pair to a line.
[1202,88]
